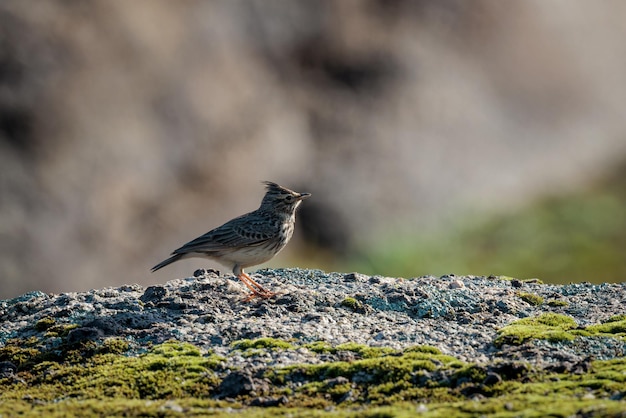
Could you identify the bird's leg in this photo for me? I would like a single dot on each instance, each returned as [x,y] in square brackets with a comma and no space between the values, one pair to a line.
[260,291]
[255,292]
[252,296]
[255,284]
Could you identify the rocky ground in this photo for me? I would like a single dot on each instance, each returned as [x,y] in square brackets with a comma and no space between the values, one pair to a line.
[320,318]
[458,315]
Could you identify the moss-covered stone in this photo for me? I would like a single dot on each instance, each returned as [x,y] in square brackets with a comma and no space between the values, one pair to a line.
[168,370]
[365,351]
[362,350]
[262,343]
[354,305]
[555,303]
[386,377]
[60,330]
[178,379]
[428,349]
[44,323]
[320,347]
[530,298]
[21,351]
[614,326]
[556,327]
[548,326]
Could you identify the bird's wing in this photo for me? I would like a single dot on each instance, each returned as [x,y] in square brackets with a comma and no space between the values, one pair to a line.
[241,231]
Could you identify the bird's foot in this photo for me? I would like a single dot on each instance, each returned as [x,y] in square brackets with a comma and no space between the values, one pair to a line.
[260,295]
[258,291]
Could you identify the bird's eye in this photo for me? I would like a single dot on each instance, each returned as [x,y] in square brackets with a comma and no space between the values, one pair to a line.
[289,198]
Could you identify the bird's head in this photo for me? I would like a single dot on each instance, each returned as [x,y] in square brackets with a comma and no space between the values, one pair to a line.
[281,199]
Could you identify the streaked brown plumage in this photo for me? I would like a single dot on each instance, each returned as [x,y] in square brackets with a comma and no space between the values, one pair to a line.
[250,239]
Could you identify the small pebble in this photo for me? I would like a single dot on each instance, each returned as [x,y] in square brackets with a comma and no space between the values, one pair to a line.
[456,284]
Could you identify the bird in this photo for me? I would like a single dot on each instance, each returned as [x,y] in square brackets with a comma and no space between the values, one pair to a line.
[249,239]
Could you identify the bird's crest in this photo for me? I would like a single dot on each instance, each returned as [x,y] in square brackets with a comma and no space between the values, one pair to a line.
[275,188]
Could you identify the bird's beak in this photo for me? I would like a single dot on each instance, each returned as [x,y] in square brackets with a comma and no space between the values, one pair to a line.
[303,196]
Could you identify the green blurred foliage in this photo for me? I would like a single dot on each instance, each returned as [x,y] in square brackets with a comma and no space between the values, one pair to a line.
[561,239]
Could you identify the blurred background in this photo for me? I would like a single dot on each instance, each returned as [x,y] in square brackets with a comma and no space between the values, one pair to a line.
[437,137]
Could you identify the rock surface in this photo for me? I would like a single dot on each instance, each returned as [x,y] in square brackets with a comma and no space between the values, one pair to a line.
[458,315]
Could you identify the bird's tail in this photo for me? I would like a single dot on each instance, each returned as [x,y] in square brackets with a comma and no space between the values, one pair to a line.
[164,263]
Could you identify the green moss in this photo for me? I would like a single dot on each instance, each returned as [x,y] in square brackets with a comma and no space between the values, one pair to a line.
[377,380]
[174,349]
[376,364]
[427,349]
[114,346]
[507,278]
[555,303]
[615,326]
[178,379]
[320,347]
[471,372]
[353,304]
[557,327]
[533,280]
[562,239]
[60,330]
[262,343]
[169,370]
[18,355]
[365,351]
[26,352]
[616,318]
[44,323]
[548,326]
[395,379]
[338,392]
[392,392]
[381,369]
[530,298]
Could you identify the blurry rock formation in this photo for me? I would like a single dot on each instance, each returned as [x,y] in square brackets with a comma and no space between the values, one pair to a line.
[128,128]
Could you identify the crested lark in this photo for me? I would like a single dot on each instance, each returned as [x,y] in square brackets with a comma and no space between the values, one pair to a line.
[250,239]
